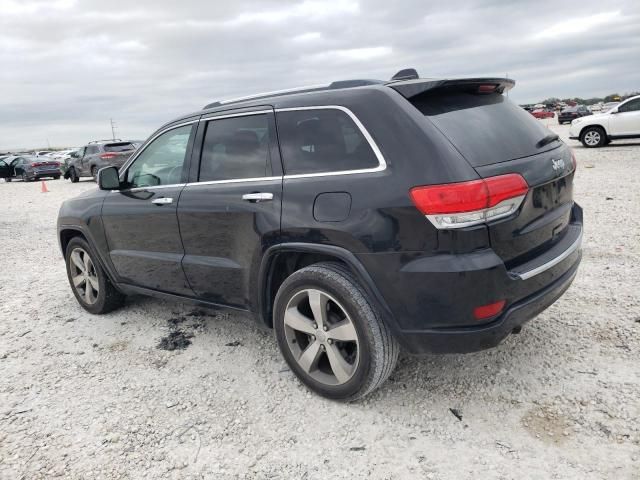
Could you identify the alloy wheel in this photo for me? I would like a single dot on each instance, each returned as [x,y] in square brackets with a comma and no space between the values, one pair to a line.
[592,138]
[84,276]
[321,336]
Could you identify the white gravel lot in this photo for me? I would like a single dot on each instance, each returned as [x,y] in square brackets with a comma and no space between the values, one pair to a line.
[85,396]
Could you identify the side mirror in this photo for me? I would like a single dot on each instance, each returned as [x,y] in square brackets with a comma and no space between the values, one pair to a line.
[614,110]
[108,178]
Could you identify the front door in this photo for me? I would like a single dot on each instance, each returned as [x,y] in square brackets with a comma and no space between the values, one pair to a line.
[627,120]
[230,213]
[140,220]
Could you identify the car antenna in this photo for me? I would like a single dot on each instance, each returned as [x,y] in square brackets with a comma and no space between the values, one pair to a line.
[406,74]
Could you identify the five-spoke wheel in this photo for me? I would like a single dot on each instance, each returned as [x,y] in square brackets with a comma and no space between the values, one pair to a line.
[331,334]
[321,336]
[84,276]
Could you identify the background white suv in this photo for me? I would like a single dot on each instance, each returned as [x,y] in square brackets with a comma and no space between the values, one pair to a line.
[620,122]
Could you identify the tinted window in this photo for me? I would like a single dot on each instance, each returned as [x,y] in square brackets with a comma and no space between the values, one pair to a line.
[118,147]
[161,163]
[632,106]
[91,149]
[236,148]
[485,129]
[316,141]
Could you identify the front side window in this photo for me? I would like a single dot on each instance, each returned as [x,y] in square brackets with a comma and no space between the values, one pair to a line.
[632,106]
[162,162]
[321,141]
[236,148]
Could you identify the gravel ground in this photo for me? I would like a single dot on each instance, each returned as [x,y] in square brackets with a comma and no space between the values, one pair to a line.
[83,396]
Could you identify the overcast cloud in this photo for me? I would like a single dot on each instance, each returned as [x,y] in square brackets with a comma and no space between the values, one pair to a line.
[68,66]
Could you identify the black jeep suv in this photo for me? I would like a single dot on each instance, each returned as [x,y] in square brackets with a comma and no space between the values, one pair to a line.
[354,219]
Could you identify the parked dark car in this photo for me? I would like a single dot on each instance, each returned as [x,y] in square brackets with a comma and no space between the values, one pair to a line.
[428,215]
[28,168]
[87,160]
[571,113]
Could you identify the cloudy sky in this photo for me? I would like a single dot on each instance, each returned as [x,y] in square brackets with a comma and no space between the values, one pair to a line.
[68,66]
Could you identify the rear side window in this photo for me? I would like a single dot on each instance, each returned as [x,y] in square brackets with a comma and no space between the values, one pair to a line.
[91,150]
[118,147]
[321,141]
[631,106]
[485,129]
[236,148]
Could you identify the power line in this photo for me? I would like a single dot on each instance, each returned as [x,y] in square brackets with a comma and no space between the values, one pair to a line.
[113,129]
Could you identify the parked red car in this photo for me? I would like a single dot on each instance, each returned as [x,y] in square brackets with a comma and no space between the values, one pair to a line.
[541,113]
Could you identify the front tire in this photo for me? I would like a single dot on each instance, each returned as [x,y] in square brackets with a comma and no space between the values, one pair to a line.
[73,176]
[331,334]
[89,283]
[593,137]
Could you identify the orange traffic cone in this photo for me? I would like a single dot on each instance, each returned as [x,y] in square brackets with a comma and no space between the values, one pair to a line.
[44,187]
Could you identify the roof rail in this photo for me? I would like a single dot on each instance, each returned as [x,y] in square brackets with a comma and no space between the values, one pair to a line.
[105,141]
[311,88]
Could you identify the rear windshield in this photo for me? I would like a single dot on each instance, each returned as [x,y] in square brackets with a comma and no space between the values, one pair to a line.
[485,129]
[119,147]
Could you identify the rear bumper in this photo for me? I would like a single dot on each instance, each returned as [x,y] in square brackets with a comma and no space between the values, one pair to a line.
[432,298]
[472,339]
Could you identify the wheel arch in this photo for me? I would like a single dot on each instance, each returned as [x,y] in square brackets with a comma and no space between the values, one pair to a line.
[280,261]
[590,125]
[67,232]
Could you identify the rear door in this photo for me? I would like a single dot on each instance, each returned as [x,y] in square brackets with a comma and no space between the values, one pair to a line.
[230,212]
[140,221]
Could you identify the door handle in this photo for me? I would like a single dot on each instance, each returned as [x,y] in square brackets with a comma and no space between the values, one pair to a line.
[162,201]
[258,197]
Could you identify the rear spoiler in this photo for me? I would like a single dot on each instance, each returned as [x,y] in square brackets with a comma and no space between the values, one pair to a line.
[412,88]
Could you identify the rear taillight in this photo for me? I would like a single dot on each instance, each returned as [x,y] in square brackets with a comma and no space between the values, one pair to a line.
[108,155]
[458,205]
[36,164]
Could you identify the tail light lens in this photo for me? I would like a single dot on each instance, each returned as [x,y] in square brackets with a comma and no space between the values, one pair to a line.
[458,205]
[488,311]
[108,155]
[36,164]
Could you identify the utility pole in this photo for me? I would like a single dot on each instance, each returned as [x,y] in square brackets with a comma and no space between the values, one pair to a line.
[113,129]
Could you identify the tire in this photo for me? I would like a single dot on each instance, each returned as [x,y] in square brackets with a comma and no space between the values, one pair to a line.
[593,137]
[8,179]
[73,176]
[368,360]
[102,296]
[56,177]
[25,178]
[94,173]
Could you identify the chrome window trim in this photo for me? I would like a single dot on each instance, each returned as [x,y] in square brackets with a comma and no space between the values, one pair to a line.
[235,180]
[125,167]
[551,263]
[151,187]
[382,164]
[231,115]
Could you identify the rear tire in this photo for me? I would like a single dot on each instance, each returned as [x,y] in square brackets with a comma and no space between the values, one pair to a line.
[353,354]
[593,137]
[73,176]
[90,285]
[57,177]
[94,173]
[25,178]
